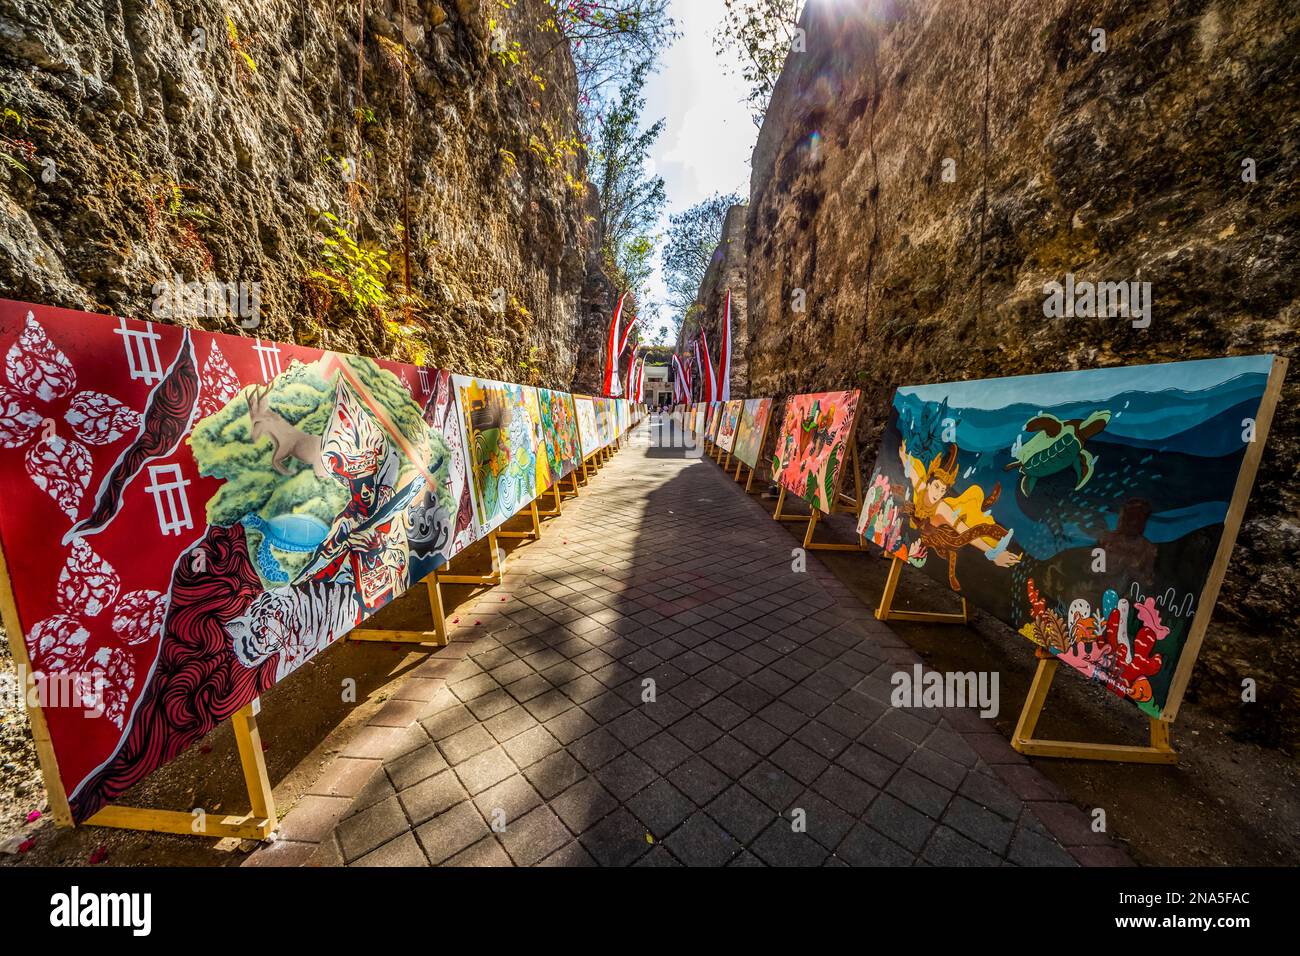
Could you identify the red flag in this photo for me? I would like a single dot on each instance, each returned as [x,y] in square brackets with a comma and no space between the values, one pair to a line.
[709,392]
[622,345]
[613,349]
[724,353]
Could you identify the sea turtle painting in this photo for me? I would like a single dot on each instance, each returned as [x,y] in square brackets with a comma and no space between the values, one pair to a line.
[1056,446]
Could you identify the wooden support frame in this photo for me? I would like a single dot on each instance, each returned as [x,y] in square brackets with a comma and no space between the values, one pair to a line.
[843,502]
[885,610]
[569,492]
[534,533]
[258,824]
[437,636]
[1159,751]
[552,512]
[494,577]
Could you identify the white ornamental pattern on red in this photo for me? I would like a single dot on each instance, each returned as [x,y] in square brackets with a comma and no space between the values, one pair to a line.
[40,375]
[219,383]
[66,643]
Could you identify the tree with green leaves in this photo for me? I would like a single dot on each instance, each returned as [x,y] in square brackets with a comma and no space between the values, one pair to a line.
[630,199]
[693,237]
[756,36]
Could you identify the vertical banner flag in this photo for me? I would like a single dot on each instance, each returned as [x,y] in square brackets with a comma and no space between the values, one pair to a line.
[709,387]
[613,349]
[724,354]
[681,387]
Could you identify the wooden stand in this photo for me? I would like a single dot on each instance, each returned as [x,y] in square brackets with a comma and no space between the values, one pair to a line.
[553,512]
[1160,749]
[886,612]
[258,824]
[843,503]
[1023,740]
[437,636]
[534,534]
[478,579]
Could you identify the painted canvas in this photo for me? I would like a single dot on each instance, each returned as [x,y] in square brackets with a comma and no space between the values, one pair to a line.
[752,429]
[588,427]
[814,445]
[699,414]
[1085,509]
[500,426]
[711,421]
[728,422]
[605,421]
[559,431]
[187,517]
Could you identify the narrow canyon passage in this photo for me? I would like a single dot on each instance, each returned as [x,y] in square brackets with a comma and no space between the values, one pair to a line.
[653,683]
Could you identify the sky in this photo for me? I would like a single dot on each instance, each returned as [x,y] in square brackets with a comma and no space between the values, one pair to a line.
[708,134]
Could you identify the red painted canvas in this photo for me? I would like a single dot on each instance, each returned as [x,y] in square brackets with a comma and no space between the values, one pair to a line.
[187,517]
[812,449]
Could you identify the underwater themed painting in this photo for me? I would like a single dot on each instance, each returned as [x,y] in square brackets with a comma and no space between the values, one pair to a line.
[816,440]
[1085,509]
[188,517]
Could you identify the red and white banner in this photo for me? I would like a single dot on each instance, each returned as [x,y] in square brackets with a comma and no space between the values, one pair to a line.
[724,354]
[613,350]
[709,391]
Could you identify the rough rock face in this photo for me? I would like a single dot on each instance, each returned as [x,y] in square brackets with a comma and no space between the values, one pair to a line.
[726,271]
[1126,164]
[206,140]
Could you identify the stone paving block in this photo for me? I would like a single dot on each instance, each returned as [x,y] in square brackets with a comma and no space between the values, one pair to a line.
[617,840]
[345,777]
[363,832]
[532,838]
[740,813]
[863,846]
[532,745]
[486,852]
[484,770]
[448,833]
[432,796]
[419,764]
[779,845]
[907,827]
[464,744]
[554,774]
[625,775]
[405,850]
[314,818]
[699,779]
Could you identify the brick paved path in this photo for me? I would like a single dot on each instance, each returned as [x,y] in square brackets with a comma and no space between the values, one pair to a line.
[771,695]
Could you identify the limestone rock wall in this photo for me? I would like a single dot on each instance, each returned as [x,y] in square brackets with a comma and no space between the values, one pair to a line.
[727,270]
[1125,164]
[206,140]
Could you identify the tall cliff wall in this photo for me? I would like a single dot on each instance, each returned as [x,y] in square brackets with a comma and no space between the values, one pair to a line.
[207,139]
[1125,164]
[727,270]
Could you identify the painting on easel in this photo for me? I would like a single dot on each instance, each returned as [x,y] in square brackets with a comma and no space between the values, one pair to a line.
[188,517]
[728,422]
[500,426]
[752,428]
[559,431]
[1085,509]
[588,427]
[816,441]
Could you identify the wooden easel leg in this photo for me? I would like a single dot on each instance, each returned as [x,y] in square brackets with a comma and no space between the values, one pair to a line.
[1159,751]
[255,825]
[534,534]
[479,579]
[811,545]
[554,510]
[437,636]
[885,611]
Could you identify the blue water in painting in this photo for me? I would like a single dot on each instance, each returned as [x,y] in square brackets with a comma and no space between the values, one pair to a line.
[1175,436]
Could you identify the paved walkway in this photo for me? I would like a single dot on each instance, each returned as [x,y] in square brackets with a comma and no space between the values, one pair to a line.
[529,739]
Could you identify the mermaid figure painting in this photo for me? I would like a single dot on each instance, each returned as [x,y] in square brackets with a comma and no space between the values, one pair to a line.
[946,523]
